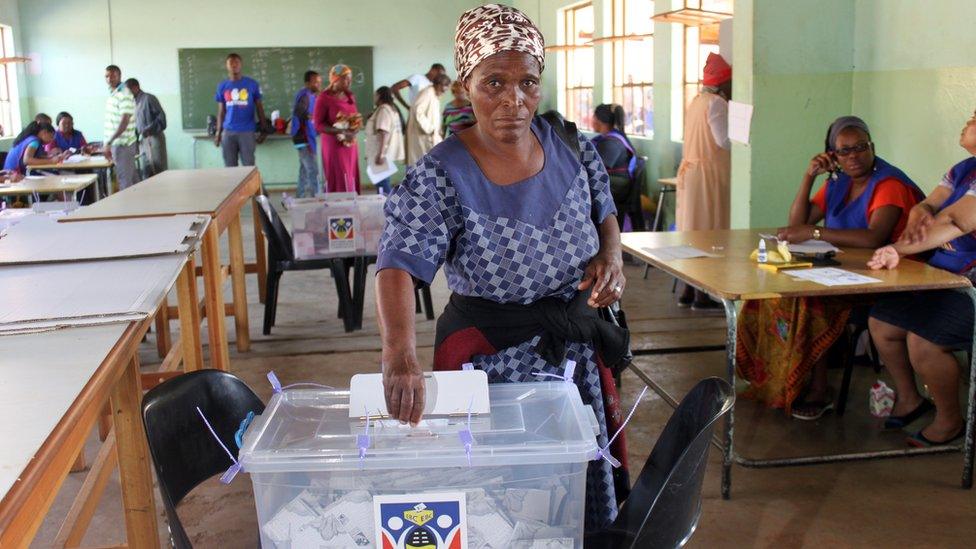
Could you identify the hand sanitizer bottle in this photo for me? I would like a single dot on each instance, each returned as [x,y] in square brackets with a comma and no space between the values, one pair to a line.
[763,258]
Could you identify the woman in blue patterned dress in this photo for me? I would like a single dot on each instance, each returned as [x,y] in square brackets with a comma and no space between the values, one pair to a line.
[524,226]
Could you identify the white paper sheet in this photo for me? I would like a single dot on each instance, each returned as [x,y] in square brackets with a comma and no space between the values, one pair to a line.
[79,158]
[379,173]
[446,393]
[671,253]
[740,121]
[813,247]
[66,294]
[832,276]
[40,239]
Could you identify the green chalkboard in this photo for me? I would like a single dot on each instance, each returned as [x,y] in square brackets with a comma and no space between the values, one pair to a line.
[278,70]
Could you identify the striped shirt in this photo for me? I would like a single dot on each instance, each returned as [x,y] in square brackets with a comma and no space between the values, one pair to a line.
[120,102]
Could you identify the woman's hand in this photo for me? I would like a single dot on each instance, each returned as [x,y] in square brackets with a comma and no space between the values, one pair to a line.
[798,233]
[822,163]
[605,276]
[920,218]
[403,384]
[379,160]
[884,258]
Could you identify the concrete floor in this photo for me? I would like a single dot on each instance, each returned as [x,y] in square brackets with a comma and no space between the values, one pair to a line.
[906,502]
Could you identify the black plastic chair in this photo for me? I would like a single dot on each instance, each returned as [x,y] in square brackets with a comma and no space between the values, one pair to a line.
[183,450]
[664,505]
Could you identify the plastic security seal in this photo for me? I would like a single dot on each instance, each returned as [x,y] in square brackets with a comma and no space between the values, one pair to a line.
[569,372]
[277,388]
[230,473]
[467,439]
[363,442]
[604,453]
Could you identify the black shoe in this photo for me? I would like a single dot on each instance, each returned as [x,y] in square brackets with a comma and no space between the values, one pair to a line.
[900,422]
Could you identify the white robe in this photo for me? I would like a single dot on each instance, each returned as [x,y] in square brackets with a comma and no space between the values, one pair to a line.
[424,125]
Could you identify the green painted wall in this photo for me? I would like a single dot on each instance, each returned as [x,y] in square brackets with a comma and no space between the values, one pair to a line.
[915,80]
[76,40]
[794,67]
[905,66]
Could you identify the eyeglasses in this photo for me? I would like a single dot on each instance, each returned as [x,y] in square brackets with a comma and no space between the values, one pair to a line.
[859,148]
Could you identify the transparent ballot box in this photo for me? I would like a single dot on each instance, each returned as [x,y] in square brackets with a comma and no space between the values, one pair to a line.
[515,477]
[338,225]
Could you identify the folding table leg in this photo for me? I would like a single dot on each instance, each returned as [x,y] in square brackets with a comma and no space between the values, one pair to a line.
[359,289]
[730,337]
[969,443]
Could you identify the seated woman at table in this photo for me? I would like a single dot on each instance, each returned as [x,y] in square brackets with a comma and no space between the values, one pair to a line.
[29,150]
[921,330]
[66,137]
[782,343]
[620,159]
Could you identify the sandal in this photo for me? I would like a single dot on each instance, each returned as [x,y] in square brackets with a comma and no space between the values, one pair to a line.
[918,440]
[900,422]
[811,411]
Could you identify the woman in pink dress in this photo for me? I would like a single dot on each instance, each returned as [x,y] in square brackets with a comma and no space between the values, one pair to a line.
[337,121]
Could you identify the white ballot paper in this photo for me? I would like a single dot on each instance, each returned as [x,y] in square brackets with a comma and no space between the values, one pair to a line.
[670,253]
[831,276]
[378,173]
[446,393]
[813,247]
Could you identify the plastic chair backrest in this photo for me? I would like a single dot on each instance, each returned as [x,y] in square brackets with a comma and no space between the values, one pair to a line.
[279,239]
[665,503]
[183,450]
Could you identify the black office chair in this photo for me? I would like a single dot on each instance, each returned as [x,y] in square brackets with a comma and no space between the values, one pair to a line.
[183,450]
[664,505]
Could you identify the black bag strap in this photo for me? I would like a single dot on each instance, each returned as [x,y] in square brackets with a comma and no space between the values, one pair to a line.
[566,130]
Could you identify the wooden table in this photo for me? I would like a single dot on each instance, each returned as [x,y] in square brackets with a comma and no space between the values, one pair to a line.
[50,184]
[45,425]
[222,194]
[100,167]
[733,277]
[668,185]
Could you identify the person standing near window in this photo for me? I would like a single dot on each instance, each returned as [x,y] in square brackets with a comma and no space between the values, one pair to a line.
[704,177]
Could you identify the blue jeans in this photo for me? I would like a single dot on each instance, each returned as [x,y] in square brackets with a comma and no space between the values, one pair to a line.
[308,173]
[383,187]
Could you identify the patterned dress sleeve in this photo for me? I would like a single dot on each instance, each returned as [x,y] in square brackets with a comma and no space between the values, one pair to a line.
[422,218]
[596,174]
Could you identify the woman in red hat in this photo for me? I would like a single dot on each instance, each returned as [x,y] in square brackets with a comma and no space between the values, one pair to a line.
[706,168]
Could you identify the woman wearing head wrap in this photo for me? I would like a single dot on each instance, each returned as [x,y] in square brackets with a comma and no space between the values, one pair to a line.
[921,331]
[704,177]
[337,121]
[523,224]
[783,344]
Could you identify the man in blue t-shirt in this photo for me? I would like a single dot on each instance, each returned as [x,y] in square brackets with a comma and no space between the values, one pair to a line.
[238,98]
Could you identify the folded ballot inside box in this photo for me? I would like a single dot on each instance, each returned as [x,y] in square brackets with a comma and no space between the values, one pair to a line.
[512,477]
[335,225]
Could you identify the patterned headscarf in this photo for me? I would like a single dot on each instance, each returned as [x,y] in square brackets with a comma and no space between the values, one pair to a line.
[492,28]
[337,72]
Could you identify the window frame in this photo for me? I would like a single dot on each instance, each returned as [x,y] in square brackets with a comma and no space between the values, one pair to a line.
[619,47]
[572,93]
[9,100]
